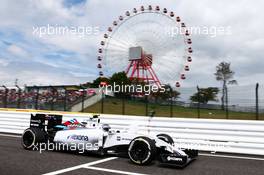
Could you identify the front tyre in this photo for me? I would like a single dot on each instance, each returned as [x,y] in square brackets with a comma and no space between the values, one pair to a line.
[32,137]
[142,150]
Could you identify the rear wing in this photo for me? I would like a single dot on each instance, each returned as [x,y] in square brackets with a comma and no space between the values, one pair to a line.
[45,121]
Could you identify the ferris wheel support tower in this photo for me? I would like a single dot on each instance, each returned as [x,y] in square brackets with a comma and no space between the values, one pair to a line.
[140,67]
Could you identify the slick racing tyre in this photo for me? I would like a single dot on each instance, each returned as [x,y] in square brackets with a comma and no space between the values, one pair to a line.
[166,138]
[32,137]
[142,150]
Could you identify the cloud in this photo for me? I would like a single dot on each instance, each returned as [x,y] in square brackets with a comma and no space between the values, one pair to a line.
[37,74]
[243,48]
[4,62]
[17,51]
[72,3]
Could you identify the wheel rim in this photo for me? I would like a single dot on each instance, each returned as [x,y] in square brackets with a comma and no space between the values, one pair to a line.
[140,151]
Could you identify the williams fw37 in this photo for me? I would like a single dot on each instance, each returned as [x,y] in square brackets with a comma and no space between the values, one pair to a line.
[92,136]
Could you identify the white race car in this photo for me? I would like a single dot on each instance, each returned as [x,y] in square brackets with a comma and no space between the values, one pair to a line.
[92,136]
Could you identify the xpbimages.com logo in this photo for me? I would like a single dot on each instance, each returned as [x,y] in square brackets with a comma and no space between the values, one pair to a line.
[59,30]
[138,89]
[80,147]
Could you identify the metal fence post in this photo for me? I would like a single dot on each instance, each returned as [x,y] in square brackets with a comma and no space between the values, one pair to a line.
[52,100]
[82,98]
[102,102]
[198,104]
[257,102]
[226,99]
[19,96]
[123,103]
[5,97]
[171,103]
[65,99]
[37,97]
[146,102]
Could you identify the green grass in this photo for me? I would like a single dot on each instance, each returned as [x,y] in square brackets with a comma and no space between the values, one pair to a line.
[114,106]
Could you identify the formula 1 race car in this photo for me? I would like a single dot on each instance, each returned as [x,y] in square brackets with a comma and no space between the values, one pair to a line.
[93,136]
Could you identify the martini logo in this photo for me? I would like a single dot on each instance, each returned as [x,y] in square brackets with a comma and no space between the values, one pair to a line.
[169,158]
[78,137]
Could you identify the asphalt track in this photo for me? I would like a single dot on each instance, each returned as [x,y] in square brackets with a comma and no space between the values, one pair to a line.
[15,160]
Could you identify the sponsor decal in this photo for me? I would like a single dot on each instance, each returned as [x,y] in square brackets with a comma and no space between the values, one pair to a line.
[178,159]
[78,137]
[118,138]
[126,139]
[34,124]
[73,125]
[35,121]
[110,151]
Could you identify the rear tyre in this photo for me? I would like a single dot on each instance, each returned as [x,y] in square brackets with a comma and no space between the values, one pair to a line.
[142,150]
[166,138]
[32,137]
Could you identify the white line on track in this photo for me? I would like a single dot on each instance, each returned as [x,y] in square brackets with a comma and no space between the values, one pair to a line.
[80,166]
[112,171]
[232,157]
[10,135]
[112,158]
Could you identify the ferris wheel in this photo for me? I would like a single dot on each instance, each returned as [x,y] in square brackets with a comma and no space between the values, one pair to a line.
[150,44]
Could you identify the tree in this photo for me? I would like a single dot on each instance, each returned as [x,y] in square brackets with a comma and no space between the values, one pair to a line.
[205,95]
[169,93]
[225,74]
[97,81]
[121,79]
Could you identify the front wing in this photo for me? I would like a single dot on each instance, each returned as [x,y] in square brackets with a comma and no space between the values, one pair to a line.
[176,160]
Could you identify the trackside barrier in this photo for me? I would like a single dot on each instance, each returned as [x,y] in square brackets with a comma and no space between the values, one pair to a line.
[231,136]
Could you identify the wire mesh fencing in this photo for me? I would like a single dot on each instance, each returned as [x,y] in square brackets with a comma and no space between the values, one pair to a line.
[43,97]
[240,102]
